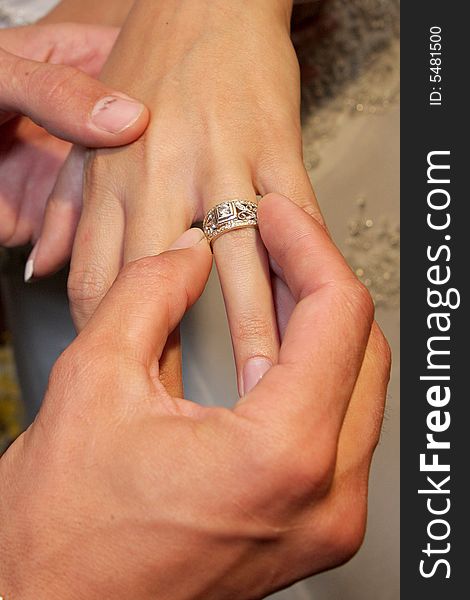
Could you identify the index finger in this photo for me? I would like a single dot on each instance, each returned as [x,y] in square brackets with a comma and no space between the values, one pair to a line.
[325,340]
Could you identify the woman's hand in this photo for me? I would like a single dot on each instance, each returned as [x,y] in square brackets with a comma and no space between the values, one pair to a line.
[221,79]
[121,490]
[46,74]
[104,12]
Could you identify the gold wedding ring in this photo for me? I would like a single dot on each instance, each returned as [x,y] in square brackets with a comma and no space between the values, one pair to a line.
[229,215]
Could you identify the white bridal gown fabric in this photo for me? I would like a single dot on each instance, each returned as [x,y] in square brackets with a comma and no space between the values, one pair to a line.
[352,151]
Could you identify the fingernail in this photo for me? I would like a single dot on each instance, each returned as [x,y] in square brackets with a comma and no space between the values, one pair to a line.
[189,238]
[253,372]
[29,268]
[116,113]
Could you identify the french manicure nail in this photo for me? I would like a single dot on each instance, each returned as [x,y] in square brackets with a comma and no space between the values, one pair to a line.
[189,238]
[116,113]
[29,268]
[253,371]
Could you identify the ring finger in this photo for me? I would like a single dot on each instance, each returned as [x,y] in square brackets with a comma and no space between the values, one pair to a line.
[243,268]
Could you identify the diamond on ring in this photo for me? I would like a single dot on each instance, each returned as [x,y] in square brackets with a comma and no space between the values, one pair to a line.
[228,215]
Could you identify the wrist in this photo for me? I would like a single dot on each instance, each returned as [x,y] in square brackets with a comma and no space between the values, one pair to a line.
[105,12]
[158,36]
[277,10]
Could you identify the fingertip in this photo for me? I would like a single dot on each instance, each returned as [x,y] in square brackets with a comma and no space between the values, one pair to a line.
[116,119]
[276,203]
[191,237]
[299,245]
[274,218]
[266,201]
[279,215]
[194,240]
[29,266]
[275,207]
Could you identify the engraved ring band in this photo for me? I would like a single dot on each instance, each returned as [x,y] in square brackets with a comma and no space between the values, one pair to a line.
[229,215]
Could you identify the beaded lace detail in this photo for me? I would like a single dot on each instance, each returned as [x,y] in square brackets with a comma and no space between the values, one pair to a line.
[349,56]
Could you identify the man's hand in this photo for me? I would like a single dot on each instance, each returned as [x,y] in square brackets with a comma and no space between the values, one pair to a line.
[46,74]
[120,490]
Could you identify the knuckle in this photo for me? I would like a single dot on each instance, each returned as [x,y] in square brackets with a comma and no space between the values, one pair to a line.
[348,541]
[346,531]
[84,368]
[291,470]
[162,267]
[86,355]
[136,269]
[54,84]
[86,287]
[64,366]
[59,371]
[252,328]
[143,273]
[312,473]
[357,299]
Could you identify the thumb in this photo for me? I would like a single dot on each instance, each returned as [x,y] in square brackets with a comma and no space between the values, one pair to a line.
[68,103]
[149,298]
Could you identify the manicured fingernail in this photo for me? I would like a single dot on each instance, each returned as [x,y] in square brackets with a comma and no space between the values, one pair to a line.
[253,372]
[116,113]
[29,268]
[189,238]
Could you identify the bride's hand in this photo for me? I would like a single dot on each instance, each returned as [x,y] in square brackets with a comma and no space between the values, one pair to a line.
[222,81]
[62,102]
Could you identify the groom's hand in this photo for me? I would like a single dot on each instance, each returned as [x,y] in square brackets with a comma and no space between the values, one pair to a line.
[119,489]
[49,97]
[47,73]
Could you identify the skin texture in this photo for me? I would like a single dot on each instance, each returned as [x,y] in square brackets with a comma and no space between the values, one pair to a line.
[46,74]
[104,12]
[120,489]
[222,82]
